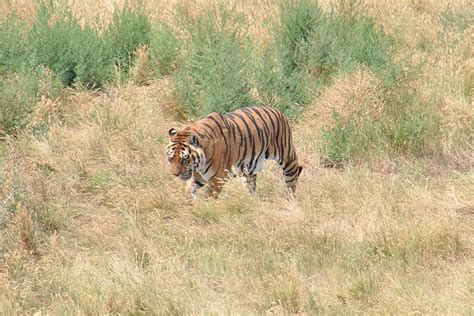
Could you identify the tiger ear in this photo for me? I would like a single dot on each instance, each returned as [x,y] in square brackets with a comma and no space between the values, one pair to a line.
[193,140]
[172,132]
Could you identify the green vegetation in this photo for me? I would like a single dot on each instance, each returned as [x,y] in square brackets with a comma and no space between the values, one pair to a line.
[165,48]
[405,125]
[77,55]
[215,67]
[72,52]
[129,31]
[12,44]
[17,98]
[215,71]
[315,46]
[312,46]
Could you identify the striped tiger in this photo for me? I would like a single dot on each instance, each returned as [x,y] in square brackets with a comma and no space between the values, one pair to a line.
[216,146]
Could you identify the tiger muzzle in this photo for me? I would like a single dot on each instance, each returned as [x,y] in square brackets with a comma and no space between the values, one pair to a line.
[186,175]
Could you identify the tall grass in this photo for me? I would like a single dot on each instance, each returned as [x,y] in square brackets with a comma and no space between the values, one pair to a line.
[104,221]
[79,54]
[404,125]
[19,92]
[313,47]
[17,97]
[282,75]
[409,131]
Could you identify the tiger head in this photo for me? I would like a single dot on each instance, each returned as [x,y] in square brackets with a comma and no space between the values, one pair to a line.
[183,153]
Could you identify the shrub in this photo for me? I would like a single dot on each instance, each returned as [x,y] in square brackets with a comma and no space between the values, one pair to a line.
[80,54]
[298,23]
[287,92]
[165,48]
[19,93]
[282,76]
[76,54]
[341,44]
[12,44]
[409,125]
[339,143]
[310,47]
[128,31]
[215,70]
[17,97]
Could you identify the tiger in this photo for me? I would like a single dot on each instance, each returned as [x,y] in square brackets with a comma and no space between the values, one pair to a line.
[211,149]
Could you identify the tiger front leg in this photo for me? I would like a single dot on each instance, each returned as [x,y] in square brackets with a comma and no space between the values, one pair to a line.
[195,187]
[194,184]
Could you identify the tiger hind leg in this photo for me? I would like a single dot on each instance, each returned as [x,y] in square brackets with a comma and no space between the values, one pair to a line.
[291,175]
[251,182]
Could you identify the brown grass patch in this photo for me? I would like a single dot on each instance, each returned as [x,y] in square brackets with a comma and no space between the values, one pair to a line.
[349,95]
[141,72]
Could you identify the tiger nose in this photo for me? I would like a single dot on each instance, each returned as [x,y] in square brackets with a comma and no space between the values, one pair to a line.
[176,172]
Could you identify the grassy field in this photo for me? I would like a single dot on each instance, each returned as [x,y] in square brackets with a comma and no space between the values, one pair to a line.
[380,94]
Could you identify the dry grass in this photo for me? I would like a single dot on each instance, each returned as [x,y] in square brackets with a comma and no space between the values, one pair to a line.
[101,228]
[93,223]
[349,96]
[141,72]
[258,13]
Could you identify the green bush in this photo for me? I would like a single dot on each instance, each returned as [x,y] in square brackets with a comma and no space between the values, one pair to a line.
[340,142]
[310,47]
[19,93]
[341,44]
[409,125]
[128,31]
[17,98]
[12,44]
[80,54]
[287,92]
[215,71]
[165,48]
[282,74]
[76,54]
[299,21]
